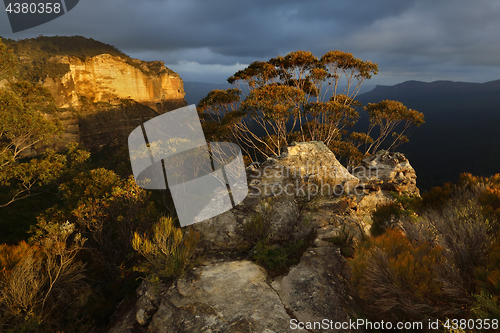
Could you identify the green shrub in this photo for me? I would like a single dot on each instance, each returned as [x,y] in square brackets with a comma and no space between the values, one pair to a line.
[384,217]
[345,241]
[388,215]
[168,251]
[257,229]
[276,258]
[486,306]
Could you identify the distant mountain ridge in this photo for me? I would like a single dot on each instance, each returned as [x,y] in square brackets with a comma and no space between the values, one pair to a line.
[439,87]
[461,131]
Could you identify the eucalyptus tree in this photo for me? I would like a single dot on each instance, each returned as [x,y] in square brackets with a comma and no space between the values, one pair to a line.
[298,97]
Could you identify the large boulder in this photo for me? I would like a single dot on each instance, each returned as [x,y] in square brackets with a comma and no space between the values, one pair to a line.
[222,297]
[390,171]
[302,171]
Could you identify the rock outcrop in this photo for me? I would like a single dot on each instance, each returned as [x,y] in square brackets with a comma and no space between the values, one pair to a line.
[389,171]
[304,170]
[221,297]
[107,78]
[225,294]
[105,97]
[381,175]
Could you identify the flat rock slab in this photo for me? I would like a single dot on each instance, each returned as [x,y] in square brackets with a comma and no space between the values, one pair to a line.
[313,290]
[223,297]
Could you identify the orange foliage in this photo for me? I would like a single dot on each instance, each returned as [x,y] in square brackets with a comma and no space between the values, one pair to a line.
[397,279]
[490,196]
[10,255]
[437,196]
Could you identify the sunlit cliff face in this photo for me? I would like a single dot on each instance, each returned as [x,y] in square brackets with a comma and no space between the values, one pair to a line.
[105,78]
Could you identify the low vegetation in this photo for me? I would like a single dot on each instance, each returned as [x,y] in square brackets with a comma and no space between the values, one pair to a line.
[169,250]
[345,241]
[431,259]
[275,257]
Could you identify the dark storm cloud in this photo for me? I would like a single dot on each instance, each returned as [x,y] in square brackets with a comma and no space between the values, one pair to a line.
[211,39]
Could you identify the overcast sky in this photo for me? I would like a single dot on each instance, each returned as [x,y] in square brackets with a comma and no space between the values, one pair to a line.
[209,40]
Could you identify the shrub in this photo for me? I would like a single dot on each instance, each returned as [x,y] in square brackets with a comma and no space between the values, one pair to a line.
[168,251]
[438,196]
[486,306]
[388,215]
[277,258]
[345,241]
[489,188]
[258,228]
[462,230]
[398,280]
[384,217]
[487,299]
[107,210]
[451,247]
[42,283]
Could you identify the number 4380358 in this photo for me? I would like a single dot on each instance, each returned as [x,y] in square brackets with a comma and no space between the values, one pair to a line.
[33,8]
[471,324]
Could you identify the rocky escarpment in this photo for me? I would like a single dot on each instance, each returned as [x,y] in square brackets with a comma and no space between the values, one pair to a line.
[302,193]
[107,78]
[104,97]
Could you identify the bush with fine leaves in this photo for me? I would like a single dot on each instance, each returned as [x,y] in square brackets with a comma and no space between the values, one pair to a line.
[168,250]
[42,285]
[440,263]
[398,280]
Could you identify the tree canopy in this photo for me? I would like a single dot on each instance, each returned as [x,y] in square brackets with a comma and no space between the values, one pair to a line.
[7,61]
[300,97]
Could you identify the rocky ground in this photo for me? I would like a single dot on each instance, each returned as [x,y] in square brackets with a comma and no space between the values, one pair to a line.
[228,292]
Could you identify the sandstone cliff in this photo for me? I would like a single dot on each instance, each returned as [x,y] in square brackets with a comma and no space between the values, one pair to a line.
[104,97]
[107,78]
